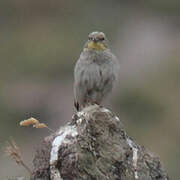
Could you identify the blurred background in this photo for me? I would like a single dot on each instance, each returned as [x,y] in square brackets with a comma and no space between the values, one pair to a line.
[40,43]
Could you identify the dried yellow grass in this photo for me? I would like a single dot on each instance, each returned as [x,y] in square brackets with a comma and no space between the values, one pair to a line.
[28,122]
[35,123]
[40,125]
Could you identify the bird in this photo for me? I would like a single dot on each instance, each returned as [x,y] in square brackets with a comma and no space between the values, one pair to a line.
[95,72]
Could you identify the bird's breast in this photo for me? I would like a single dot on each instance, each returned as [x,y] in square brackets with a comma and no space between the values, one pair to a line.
[97,57]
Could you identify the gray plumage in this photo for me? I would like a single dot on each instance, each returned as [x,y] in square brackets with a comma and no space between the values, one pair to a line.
[94,75]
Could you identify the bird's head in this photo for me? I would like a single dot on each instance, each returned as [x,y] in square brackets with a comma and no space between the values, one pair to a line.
[97,41]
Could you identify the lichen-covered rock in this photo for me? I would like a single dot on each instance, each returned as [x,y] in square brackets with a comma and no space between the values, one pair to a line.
[41,160]
[94,146]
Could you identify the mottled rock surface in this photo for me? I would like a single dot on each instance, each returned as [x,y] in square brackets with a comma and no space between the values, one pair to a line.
[95,146]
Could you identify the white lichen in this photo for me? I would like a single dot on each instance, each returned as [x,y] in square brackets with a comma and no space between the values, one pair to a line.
[105,110]
[55,175]
[117,119]
[80,113]
[90,108]
[60,139]
[79,121]
[135,156]
[85,113]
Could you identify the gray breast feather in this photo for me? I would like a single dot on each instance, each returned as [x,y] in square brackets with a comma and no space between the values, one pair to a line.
[93,79]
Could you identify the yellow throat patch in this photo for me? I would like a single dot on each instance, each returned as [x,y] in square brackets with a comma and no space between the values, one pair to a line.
[96,45]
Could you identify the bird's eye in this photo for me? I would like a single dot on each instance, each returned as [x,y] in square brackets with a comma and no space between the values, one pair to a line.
[101,38]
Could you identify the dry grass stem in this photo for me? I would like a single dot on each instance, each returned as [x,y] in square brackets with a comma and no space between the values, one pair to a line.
[28,122]
[35,123]
[13,151]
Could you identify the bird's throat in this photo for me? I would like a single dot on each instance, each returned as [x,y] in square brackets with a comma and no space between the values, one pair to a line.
[96,45]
